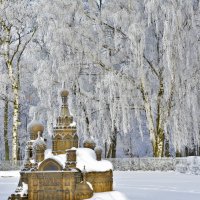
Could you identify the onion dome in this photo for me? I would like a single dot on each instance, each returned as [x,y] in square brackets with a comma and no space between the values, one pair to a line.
[39,144]
[34,127]
[64,93]
[83,191]
[89,143]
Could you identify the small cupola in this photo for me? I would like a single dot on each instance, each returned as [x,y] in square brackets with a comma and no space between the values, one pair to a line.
[39,147]
[64,95]
[83,189]
[89,143]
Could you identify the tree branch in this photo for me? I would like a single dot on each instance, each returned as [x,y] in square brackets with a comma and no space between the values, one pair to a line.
[118,29]
[18,45]
[3,97]
[151,66]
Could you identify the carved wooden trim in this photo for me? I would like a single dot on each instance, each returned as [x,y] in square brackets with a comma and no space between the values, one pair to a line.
[48,163]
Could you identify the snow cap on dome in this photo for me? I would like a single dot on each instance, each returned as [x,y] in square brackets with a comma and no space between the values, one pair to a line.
[98,149]
[35,126]
[89,143]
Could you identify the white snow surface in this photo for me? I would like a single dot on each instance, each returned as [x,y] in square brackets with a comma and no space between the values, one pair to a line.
[8,183]
[8,174]
[85,157]
[114,195]
[157,185]
[136,185]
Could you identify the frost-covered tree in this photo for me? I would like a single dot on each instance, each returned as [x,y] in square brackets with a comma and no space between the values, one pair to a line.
[128,65]
[17,28]
[154,42]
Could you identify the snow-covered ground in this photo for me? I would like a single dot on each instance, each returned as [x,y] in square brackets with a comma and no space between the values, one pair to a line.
[137,185]
[8,183]
[144,185]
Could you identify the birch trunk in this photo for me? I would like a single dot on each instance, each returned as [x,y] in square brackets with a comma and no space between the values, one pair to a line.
[15,89]
[6,129]
[159,144]
[156,133]
[160,136]
[149,116]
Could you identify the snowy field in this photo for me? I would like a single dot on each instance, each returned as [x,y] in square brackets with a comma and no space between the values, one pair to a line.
[157,185]
[137,185]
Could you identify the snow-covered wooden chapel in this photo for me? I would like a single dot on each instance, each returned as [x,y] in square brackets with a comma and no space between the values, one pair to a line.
[66,172]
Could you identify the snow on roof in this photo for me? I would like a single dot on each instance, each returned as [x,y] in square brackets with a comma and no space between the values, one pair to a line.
[48,153]
[39,143]
[59,158]
[23,189]
[73,124]
[85,157]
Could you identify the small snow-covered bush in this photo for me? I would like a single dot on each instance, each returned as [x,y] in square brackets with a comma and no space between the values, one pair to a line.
[145,164]
[191,165]
[183,165]
[181,168]
[9,165]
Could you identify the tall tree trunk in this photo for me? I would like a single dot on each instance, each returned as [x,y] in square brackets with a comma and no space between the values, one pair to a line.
[6,128]
[15,89]
[109,151]
[158,146]
[149,116]
[166,148]
[113,145]
[106,149]
[157,134]
[19,152]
